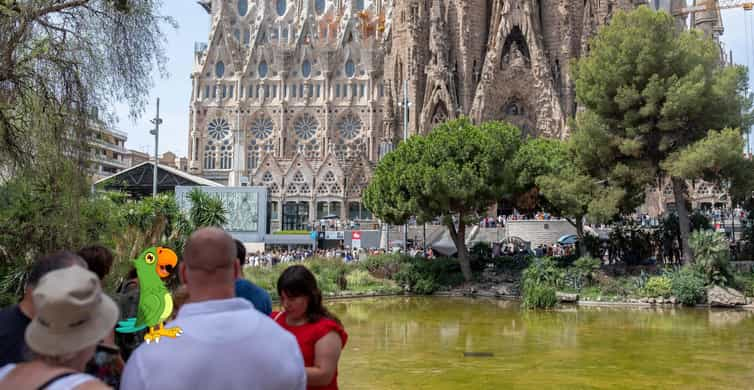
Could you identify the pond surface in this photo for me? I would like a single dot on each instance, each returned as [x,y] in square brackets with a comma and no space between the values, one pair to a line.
[419,343]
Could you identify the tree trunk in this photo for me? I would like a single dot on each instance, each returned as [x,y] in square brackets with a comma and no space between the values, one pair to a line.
[679,190]
[578,223]
[459,238]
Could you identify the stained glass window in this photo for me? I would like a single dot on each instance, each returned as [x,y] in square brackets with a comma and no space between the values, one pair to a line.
[243,7]
[219,69]
[350,68]
[306,68]
[320,6]
[358,5]
[281,7]
[252,160]
[350,126]
[263,69]
[209,156]
[306,126]
[218,128]
[226,155]
[262,127]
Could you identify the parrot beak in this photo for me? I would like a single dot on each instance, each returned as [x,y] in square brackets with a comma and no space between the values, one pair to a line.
[165,258]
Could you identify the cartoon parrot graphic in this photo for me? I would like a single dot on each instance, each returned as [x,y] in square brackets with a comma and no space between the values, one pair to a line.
[155,302]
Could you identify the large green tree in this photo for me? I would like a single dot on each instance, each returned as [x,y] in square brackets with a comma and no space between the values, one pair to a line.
[455,172]
[654,90]
[564,188]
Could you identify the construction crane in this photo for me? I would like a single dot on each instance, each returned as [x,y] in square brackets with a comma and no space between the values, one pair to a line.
[713,5]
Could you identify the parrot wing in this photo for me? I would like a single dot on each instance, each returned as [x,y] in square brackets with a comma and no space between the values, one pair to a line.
[150,309]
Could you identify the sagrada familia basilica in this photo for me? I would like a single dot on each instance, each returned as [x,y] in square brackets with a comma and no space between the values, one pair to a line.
[305,96]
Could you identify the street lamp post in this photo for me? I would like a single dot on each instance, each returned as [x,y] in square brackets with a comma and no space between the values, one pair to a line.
[405,104]
[157,121]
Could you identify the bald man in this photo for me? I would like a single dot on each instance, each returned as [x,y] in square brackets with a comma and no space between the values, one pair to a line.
[226,342]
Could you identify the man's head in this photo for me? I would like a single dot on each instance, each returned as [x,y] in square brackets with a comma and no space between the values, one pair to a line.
[98,258]
[41,267]
[240,252]
[209,268]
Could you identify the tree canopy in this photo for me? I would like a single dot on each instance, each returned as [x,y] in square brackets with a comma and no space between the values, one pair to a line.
[456,171]
[63,63]
[651,91]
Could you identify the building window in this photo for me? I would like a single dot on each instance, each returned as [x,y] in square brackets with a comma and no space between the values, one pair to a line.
[337,90]
[218,128]
[252,160]
[225,92]
[274,210]
[243,7]
[319,5]
[263,69]
[214,91]
[281,7]
[350,68]
[219,69]
[318,90]
[262,127]
[266,91]
[301,90]
[350,126]
[209,156]
[358,5]
[274,91]
[246,37]
[226,155]
[306,126]
[306,68]
[230,92]
[293,91]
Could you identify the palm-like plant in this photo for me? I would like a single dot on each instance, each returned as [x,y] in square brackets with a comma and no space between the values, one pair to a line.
[712,256]
[206,210]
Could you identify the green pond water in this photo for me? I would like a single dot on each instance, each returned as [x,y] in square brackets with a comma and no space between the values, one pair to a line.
[419,343]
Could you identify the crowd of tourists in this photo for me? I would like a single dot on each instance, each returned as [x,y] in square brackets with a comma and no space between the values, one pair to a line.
[61,335]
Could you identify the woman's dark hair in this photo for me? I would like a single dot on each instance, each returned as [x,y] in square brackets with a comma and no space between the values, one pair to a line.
[297,281]
[99,259]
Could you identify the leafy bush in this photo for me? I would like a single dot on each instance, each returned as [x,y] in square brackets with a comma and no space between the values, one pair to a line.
[330,273]
[539,296]
[745,283]
[424,276]
[658,286]
[712,256]
[687,284]
[539,283]
[586,267]
[515,263]
[384,265]
[361,280]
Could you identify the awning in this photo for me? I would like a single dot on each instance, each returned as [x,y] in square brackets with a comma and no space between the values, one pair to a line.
[288,239]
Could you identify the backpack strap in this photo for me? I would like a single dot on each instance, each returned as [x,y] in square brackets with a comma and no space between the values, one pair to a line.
[55,379]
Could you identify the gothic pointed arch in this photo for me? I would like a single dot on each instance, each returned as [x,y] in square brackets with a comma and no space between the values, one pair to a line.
[517,76]
[299,177]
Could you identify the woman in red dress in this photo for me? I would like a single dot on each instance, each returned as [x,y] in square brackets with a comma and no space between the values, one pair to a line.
[319,333]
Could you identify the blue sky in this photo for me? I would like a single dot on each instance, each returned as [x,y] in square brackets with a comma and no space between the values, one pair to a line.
[175,90]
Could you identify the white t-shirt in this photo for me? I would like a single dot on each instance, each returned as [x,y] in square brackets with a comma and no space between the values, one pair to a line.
[226,344]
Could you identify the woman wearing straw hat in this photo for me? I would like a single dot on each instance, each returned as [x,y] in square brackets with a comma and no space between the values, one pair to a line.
[72,316]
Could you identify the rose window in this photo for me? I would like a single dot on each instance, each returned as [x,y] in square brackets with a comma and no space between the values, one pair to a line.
[218,129]
[306,126]
[262,127]
[350,126]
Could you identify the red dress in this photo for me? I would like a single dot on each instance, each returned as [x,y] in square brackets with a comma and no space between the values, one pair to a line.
[307,336]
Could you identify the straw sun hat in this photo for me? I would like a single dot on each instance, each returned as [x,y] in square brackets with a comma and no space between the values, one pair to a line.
[72,312]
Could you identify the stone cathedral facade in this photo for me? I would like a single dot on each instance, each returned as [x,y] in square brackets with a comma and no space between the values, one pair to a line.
[304,96]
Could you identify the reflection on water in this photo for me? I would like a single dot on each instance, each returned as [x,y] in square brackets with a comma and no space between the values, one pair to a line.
[419,343]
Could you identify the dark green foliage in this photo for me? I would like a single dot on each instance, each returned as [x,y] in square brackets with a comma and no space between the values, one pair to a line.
[712,257]
[384,266]
[423,276]
[630,243]
[539,283]
[688,285]
[651,93]
[330,273]
[456,171]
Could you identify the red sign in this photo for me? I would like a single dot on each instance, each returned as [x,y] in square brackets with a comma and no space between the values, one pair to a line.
[356,235]
[355,239]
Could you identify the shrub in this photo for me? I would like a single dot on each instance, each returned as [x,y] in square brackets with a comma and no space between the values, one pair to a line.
[585,267]
[362,281]
[711,256]
[687,284]
[658,286]
[424,276]
[539,296]
[385,265]
[539,282]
